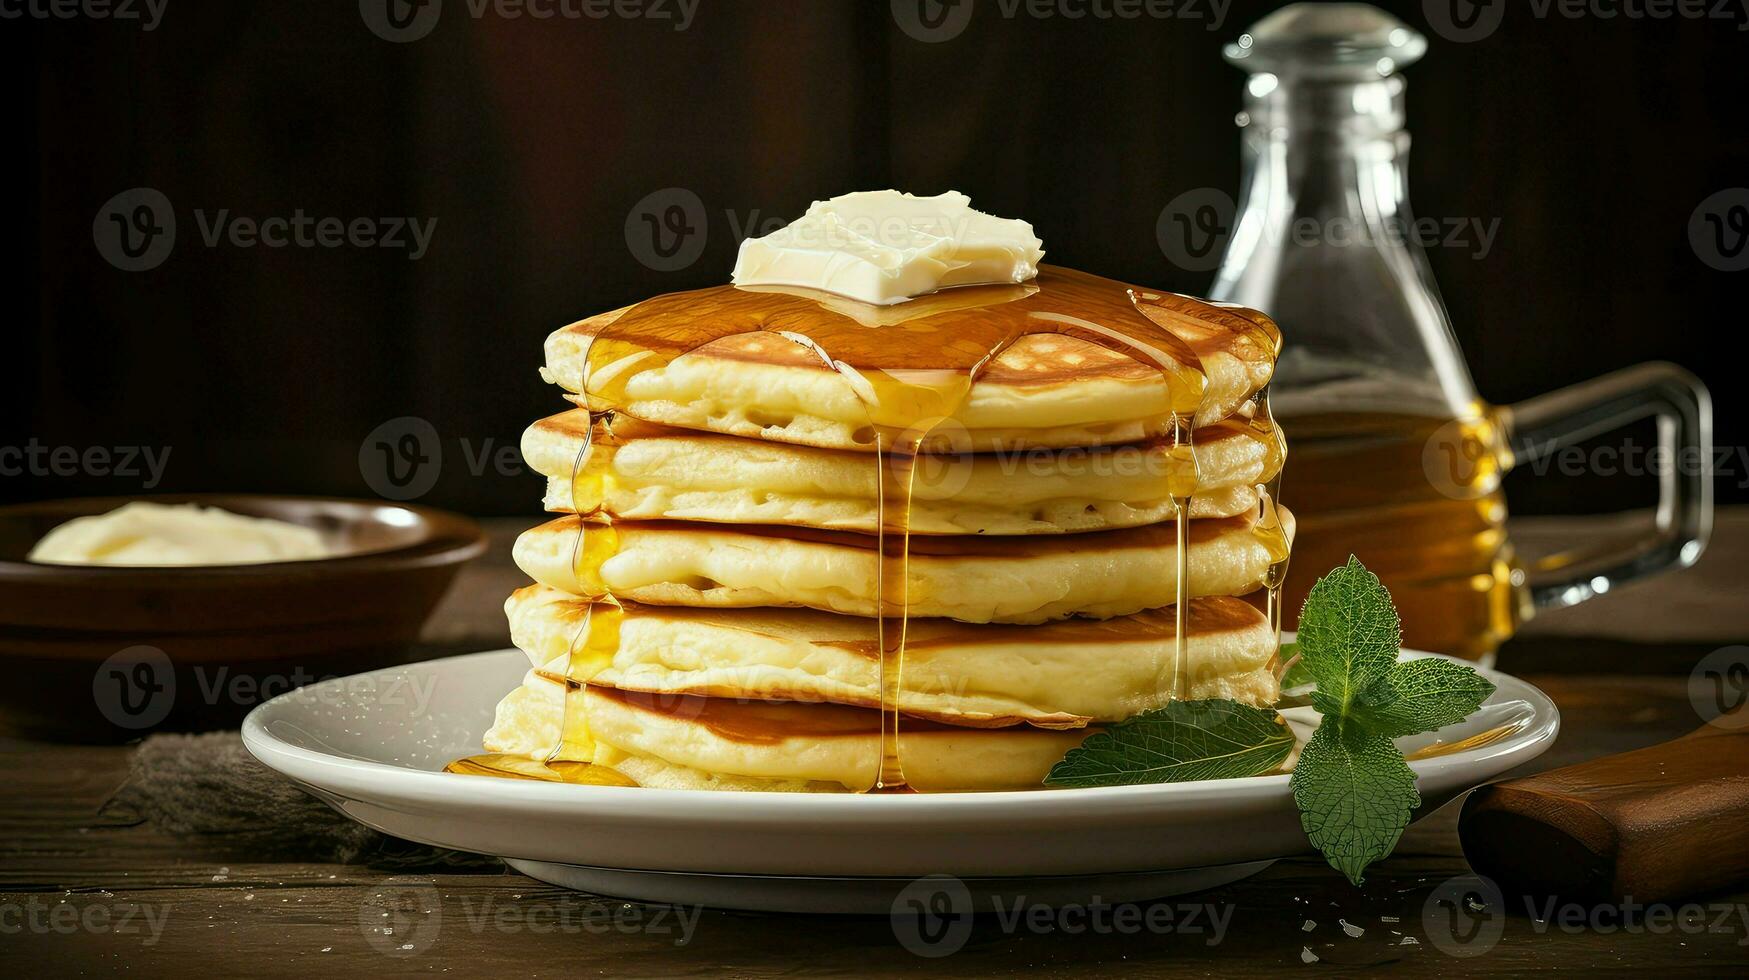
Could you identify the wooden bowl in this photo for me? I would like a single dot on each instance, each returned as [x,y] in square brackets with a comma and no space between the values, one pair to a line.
[97,653]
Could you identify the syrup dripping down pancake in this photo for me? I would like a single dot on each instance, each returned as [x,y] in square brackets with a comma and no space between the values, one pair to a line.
[640,471]
[769,377]
[969,578]
[1057,675]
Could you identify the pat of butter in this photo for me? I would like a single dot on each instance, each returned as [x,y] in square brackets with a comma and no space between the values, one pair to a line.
[884,247]
[144,533]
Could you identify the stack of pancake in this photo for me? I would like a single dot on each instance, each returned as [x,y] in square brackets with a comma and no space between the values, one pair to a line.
[704,611]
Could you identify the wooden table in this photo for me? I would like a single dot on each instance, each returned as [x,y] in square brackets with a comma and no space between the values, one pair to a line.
[82,895]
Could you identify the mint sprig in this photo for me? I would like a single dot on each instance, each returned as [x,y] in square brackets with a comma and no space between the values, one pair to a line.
[1183,741]
[1353,789]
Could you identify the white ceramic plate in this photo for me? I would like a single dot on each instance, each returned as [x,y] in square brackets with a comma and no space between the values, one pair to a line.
[373,746]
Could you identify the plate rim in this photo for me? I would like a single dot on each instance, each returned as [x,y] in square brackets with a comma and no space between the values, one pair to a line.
[294,762]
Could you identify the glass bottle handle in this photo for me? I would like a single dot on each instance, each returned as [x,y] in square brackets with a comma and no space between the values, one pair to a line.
[1537,428]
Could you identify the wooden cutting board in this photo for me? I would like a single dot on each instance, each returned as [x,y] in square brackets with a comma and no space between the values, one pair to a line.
[1660,823]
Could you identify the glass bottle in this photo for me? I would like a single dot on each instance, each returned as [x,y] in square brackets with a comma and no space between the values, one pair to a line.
[1393,457]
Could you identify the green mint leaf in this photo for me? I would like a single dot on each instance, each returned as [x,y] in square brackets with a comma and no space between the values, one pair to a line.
[1352,787]
[1298,674]
[1422,696]
[1349,636]
[1354,793]
[1185,740]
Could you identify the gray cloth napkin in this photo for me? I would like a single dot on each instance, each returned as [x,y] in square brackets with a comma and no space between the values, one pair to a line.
[210,789]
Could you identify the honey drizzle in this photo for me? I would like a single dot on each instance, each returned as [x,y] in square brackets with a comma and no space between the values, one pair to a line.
[913,373]
[1269,527]
[597,636]
[1476,741]
[898,473]
[1181,491]
[519,767]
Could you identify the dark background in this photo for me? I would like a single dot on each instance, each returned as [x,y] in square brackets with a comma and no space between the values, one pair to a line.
[530,141]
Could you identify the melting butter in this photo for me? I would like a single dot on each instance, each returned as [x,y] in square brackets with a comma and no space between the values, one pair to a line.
[885,247]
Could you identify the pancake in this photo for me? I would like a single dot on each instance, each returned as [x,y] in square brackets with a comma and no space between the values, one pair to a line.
[1046,389]
[1057,675]
[973,579]
[650,472]
[713,743]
